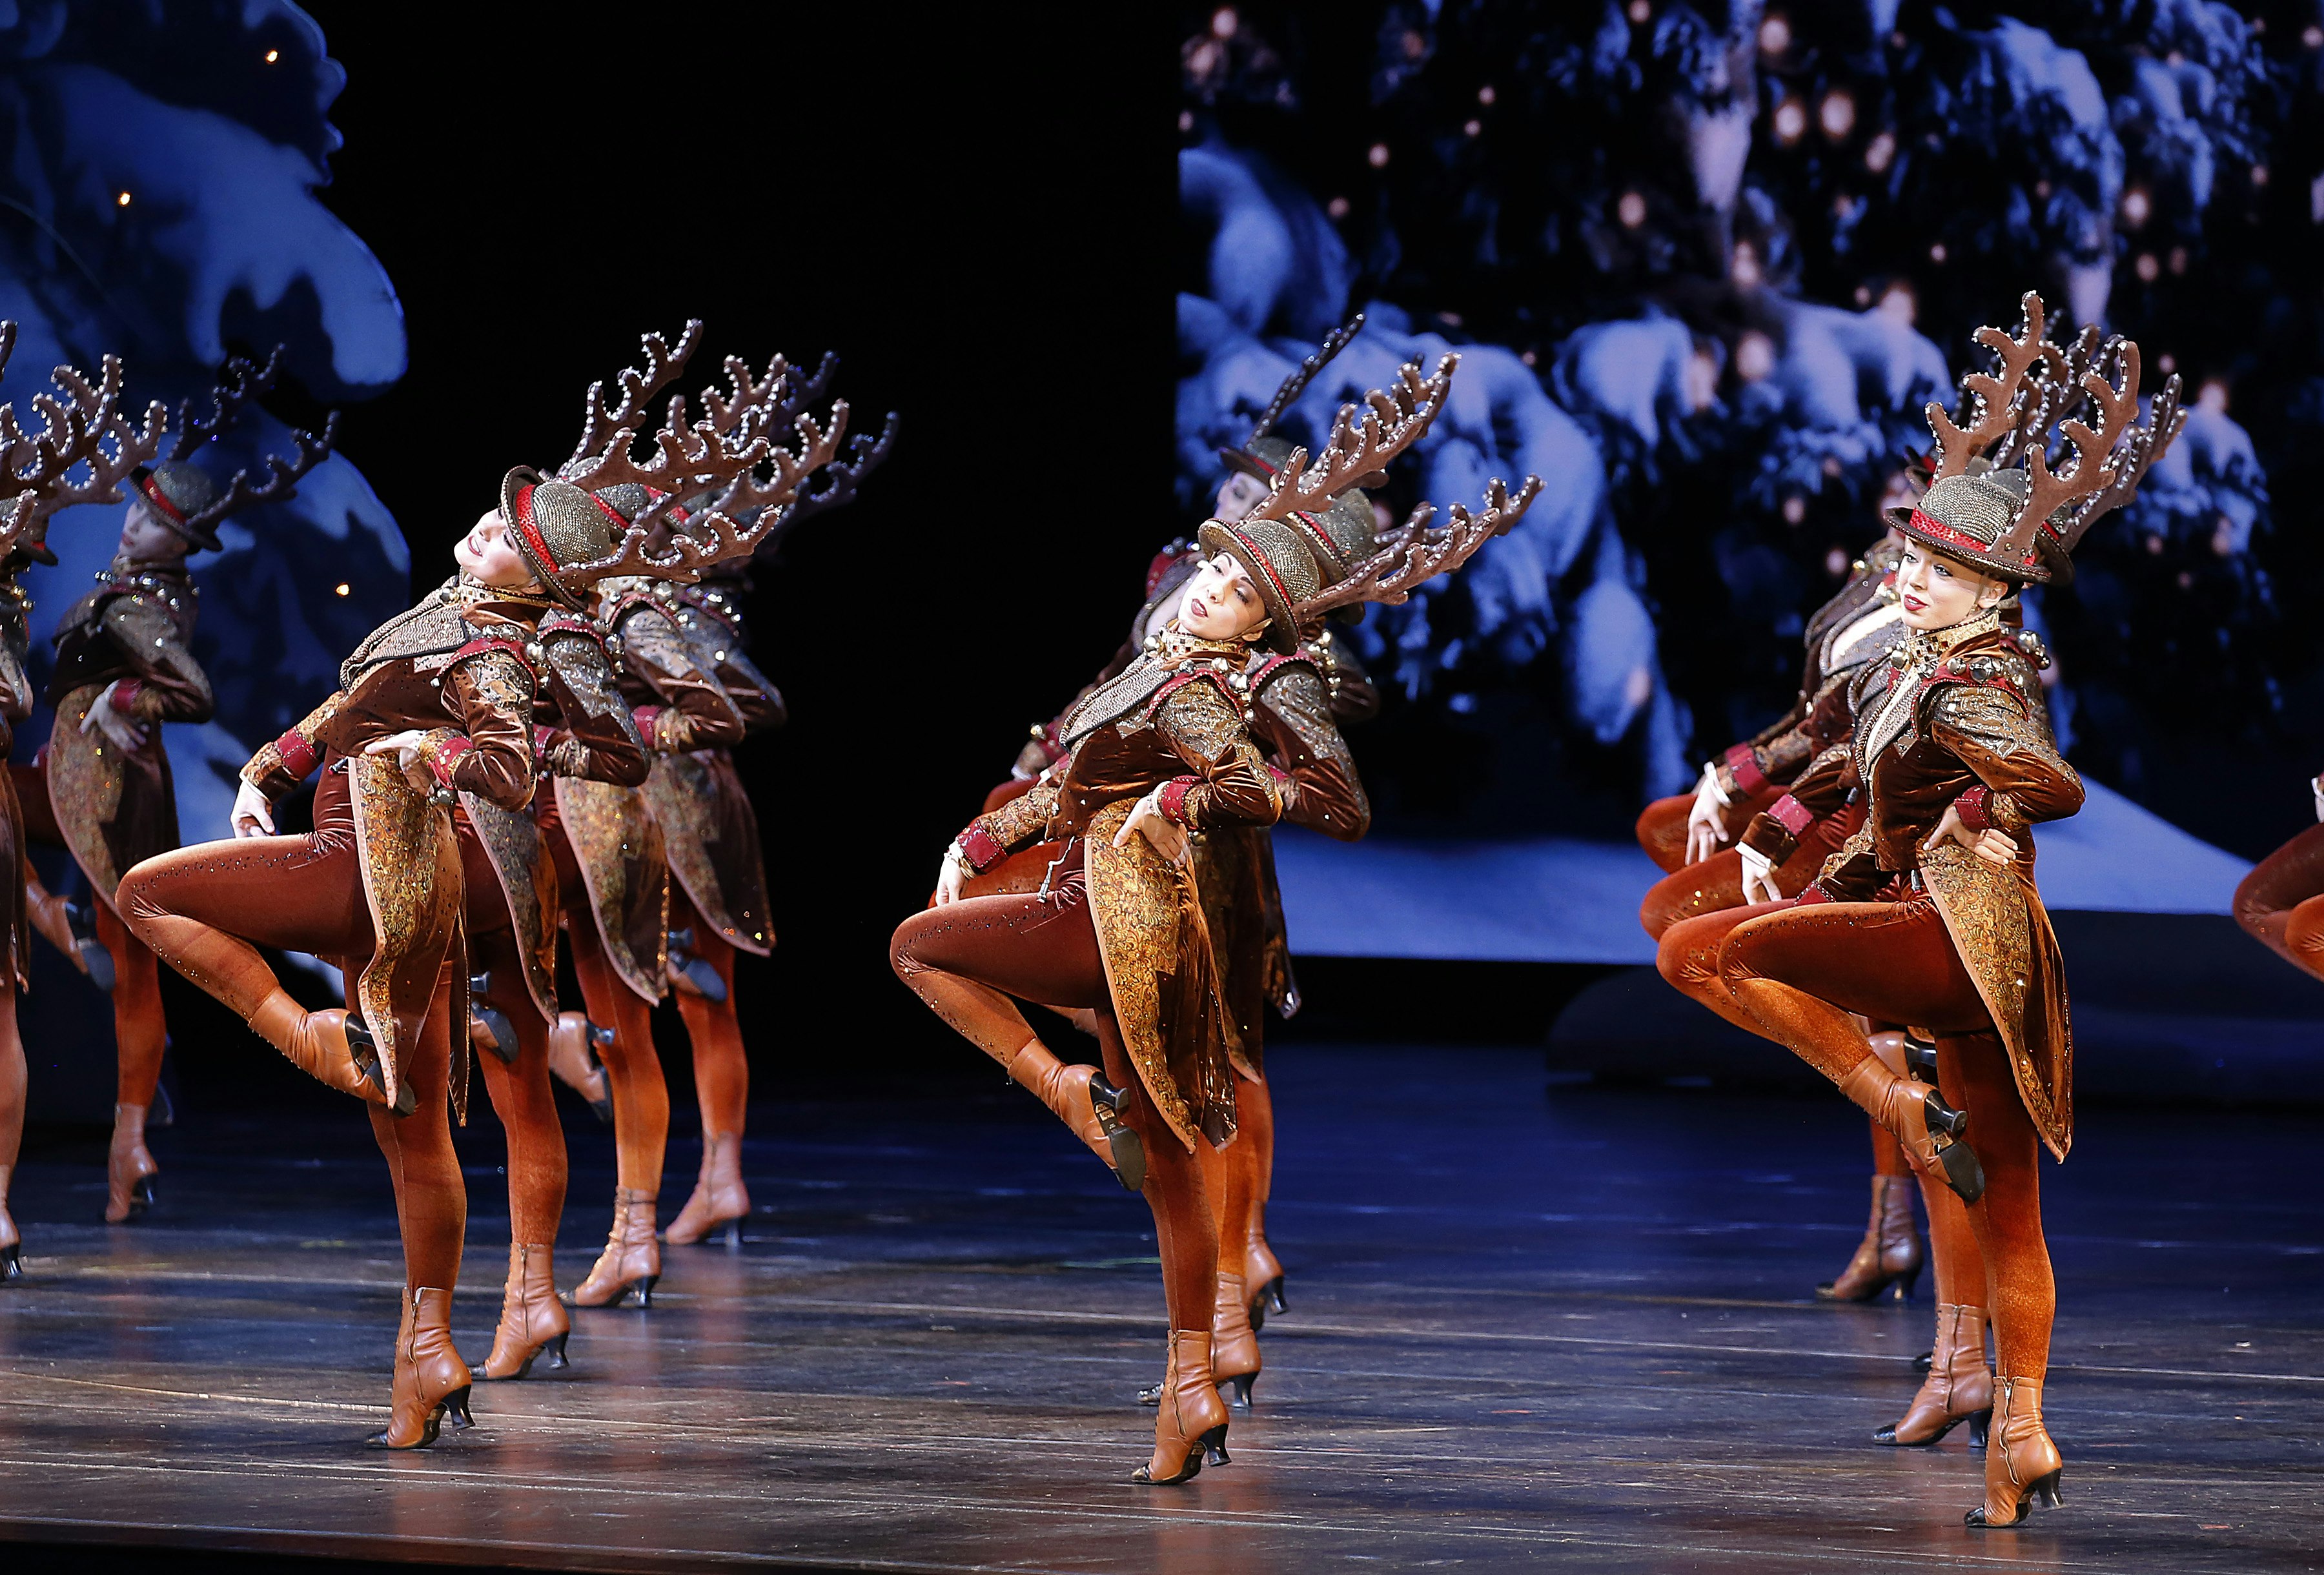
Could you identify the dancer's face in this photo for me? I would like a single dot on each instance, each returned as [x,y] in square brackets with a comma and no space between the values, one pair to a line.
[145,538]
[486,556]
[1239,496]
[1936,592]
[1221,602]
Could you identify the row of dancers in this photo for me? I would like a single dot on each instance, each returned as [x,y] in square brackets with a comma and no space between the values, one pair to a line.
[545,734]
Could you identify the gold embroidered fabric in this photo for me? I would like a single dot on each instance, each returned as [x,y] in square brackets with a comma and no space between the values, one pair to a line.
[711,838]
[86,772]
[520,856]
[1162,976]
[2002,934]
[411,881]
[624,866]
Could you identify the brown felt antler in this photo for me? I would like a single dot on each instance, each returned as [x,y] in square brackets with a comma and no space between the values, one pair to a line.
[308,449]
[841,478]
[1414,554]
[1287,394]
[2110,459]
[70,427]
[2056,396]
[601,423]
[1364,439]
[1992,396]
[132,446]
[236,384]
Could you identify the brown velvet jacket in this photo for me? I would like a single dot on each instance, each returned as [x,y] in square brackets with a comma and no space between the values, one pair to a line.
[1956,719]
[586,730]
[16,707]
[1294,719]
[116,807]
[1859,625]
[1176,726]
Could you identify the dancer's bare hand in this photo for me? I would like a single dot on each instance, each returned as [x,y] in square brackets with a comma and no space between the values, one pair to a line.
[951,876]
[1706,824]
[2317,787]
[1995,847]
[1147,820]
[252,816]
[406,748]
[118,730]
[1759,878]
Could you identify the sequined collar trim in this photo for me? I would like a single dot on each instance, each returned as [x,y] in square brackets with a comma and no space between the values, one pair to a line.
[1924,647]
[1174,645]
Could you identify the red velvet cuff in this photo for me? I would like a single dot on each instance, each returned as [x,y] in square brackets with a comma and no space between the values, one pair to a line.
[1975,813]
[1812,896]
[645,717]
[299,758]
[445,756]
[1172,801]
[982,848]
[1744,766]
[1790,815]
[542,733]
[124,695]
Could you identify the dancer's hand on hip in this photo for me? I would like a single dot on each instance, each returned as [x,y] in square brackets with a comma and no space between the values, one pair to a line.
[1995,847]
[405,747]
[119,730]
[252,816]
[1147,820]
[1758,878]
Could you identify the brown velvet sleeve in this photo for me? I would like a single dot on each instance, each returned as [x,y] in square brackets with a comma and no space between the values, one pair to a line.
[596,737]
[1989,729]
[275,775]
[1820,790]
[1232,787]
[491,698]
[696,713]
[752,692]
[1020,823]
[171,685]
[1295,722]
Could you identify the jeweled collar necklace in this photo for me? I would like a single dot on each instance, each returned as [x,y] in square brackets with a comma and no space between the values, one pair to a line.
[1926,647]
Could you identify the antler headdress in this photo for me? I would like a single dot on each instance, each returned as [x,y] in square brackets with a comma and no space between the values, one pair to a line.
[1996,501]
[184,497]
[1261,454]
[85,428]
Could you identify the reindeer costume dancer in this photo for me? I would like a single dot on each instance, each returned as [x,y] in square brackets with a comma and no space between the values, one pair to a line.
[613,859]
[435,704]
[1929,915]
[718,881]
[1162,750]
[510,859]
[101,787]
[34,468]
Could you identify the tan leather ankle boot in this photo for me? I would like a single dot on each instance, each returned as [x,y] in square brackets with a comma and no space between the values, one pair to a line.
[1891,1253]
[719,1197]
[1235,1344]
[632,1261]
[1919,1118]
[1081,1097]
[2021,1463]
[321,1044]
[533,1321]
[1191,1424]
[431,1381]
[1958,1389]
[129,1168]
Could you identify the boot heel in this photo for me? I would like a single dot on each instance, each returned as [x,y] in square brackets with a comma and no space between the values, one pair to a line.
[1907,1284]
[1275,1302]
[1237,1392]
[12,1263]
[1128,1154]
[2046,1489]
[1214,1451]
[1979,1425]
[1941,1116]
[1150,1397]
[455,1409]
[554,1350]
[733,1233]
[645,1289]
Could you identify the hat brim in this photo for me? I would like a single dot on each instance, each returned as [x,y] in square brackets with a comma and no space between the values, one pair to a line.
[1235,459]
[516,481]
[201,539]
[1282,634]
[1900,519]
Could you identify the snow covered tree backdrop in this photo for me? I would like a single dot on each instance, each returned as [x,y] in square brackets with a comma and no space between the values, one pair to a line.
[1705,263]
[160,203]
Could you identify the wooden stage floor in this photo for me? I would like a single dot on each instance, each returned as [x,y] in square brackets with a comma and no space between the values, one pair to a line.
[1566,1327]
